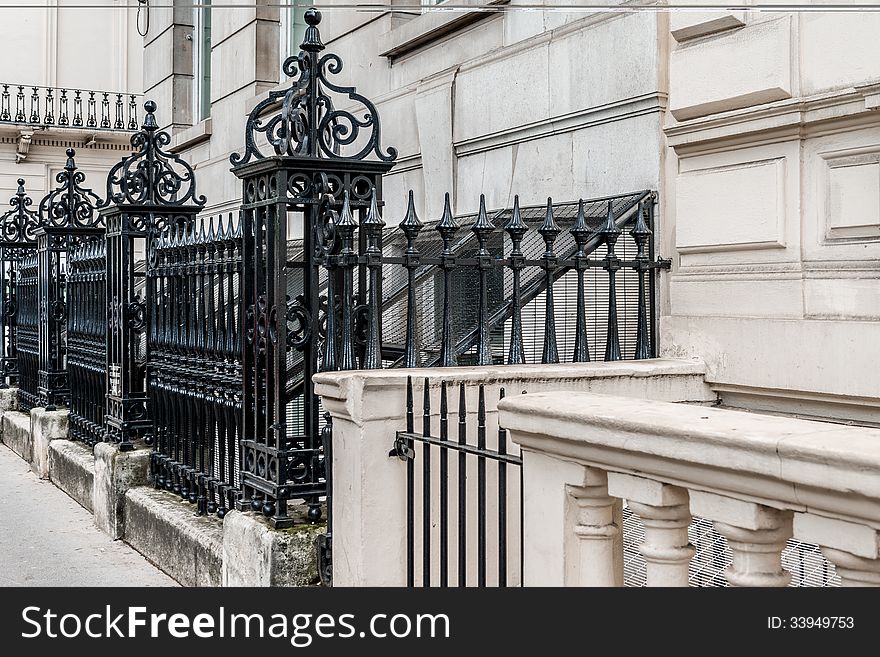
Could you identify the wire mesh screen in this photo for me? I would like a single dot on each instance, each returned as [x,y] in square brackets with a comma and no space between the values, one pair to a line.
[805,562]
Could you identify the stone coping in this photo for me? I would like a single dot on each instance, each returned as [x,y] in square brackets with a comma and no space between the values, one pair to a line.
[803,464]
[347,388]
[165,529]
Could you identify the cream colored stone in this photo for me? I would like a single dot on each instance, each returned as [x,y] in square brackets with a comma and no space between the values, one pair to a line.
[684,25]
[369,530]
[731,511]
[859,540]
[736,220]
[737,69]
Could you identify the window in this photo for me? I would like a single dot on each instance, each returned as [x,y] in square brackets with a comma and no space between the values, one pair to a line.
[202,62]
[293,27]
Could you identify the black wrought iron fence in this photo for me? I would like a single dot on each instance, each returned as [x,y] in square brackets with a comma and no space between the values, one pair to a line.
[27,343]
[195,375]
[74,108]
[465,530]
[18,227]
[87,338]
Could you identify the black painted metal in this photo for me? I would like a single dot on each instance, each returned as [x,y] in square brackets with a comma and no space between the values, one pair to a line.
[18,237]
[314,180]
[435,516]
[67,216]
[589,263]
[68,108]
[27,345]
[148,192]
[87,338]
[194,281]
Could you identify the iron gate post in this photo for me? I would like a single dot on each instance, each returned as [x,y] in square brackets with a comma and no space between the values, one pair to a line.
[148,191]
[18,227]
[290,330]
[66,215]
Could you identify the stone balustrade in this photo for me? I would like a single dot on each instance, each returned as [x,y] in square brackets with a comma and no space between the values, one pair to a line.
[760,479]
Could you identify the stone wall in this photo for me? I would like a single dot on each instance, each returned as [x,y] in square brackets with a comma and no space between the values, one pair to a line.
[772,205]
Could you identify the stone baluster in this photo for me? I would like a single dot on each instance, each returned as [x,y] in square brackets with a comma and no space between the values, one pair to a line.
[599,533]
[756,535]
[666,516]
[854,549]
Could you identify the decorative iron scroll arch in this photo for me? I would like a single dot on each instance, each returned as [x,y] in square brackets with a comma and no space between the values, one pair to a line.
[70,205]
[150,175]
[309,124]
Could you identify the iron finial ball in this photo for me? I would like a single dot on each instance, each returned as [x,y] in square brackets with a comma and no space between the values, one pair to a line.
[70,152]
[150,106]
[313,17]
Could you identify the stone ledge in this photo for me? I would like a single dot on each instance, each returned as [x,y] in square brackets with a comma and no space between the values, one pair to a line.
[166,530]
[17,434]
[72,469]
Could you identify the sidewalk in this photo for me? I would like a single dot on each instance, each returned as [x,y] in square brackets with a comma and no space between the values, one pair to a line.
[47,539]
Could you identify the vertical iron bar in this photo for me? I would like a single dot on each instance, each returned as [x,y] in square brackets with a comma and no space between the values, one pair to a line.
[481,489]
[410,489]
[373,225]
[581,234]
[641,234]
[447,229]
[462,488]
[610,232]
[482,228]
[549,231]
[444,489]
[516,228]
[411,226]
[502,504]
[426,489]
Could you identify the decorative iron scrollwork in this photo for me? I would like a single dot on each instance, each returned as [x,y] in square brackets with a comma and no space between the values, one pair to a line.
[58,311]
[137,315]
[19,224]
[299,323]
[309,125]
[10,307]
[70,205]
[150,175]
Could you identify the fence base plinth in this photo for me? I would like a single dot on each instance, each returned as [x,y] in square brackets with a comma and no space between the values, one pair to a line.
[115,473]
[164,528]
[8,399]
[255,554]
[17,434]
[72,469]
[46,426]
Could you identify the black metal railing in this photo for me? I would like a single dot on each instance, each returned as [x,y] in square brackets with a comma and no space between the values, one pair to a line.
[68,108]
[562,282]
[87,338]
[442,547]
[195,377]
[18,227]
[27,343]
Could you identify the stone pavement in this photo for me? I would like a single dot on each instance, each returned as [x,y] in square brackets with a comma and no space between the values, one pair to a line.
[47,539]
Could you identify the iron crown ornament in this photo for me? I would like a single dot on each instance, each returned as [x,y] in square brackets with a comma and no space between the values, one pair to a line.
[150,175]
[309,124]
[70,205]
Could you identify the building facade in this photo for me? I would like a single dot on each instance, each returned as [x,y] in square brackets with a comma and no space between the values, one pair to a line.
[758,129]
[67,79]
